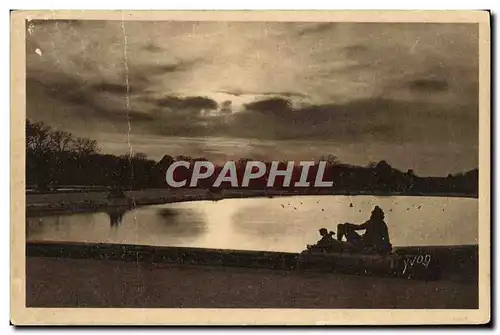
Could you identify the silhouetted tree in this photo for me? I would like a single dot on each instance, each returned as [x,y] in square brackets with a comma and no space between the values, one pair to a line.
[184,158]
[165,162]
[58,158]
[61,141]
[85,146]
[383,173]
[140,156]
[37,137]
[330,159]
[226,107]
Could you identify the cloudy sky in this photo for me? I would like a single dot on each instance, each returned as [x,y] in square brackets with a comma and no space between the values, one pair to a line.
[406,93]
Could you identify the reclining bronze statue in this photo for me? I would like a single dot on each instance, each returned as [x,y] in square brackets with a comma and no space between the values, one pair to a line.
[375,240]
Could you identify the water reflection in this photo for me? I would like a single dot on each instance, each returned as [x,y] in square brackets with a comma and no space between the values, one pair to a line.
[116,216]
[180,222]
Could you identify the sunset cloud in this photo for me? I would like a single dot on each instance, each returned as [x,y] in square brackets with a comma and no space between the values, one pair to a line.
[376,84]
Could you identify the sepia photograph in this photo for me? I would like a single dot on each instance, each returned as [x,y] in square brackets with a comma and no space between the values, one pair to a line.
[250,167]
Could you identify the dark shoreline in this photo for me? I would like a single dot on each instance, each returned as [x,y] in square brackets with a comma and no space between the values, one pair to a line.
[85,206]
[455,262]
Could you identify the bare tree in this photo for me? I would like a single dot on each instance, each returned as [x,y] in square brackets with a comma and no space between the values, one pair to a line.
[410,173]
[37,136]
[61,141]
[140,156]
[137,156]
[184,158]
[85,147]
[330,159]
[164,163]
[383,167]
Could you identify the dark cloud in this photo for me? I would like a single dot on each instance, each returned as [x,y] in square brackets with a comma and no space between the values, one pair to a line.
[147,73]
[151,47]
[73,92]
[170,68]
[365,120]
[79,71]
[236,93]
[287,94]
[361,121]
[141,76]
[63,88]
[429,85]
[273,105]
[187,103]
[381,120]
[183,65]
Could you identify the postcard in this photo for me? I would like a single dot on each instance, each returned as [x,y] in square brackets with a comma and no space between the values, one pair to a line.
[250,167]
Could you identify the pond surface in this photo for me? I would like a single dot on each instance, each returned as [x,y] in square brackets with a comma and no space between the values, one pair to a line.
[274,224]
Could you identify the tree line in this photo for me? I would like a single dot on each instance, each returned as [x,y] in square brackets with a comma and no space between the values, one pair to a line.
[55,158]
